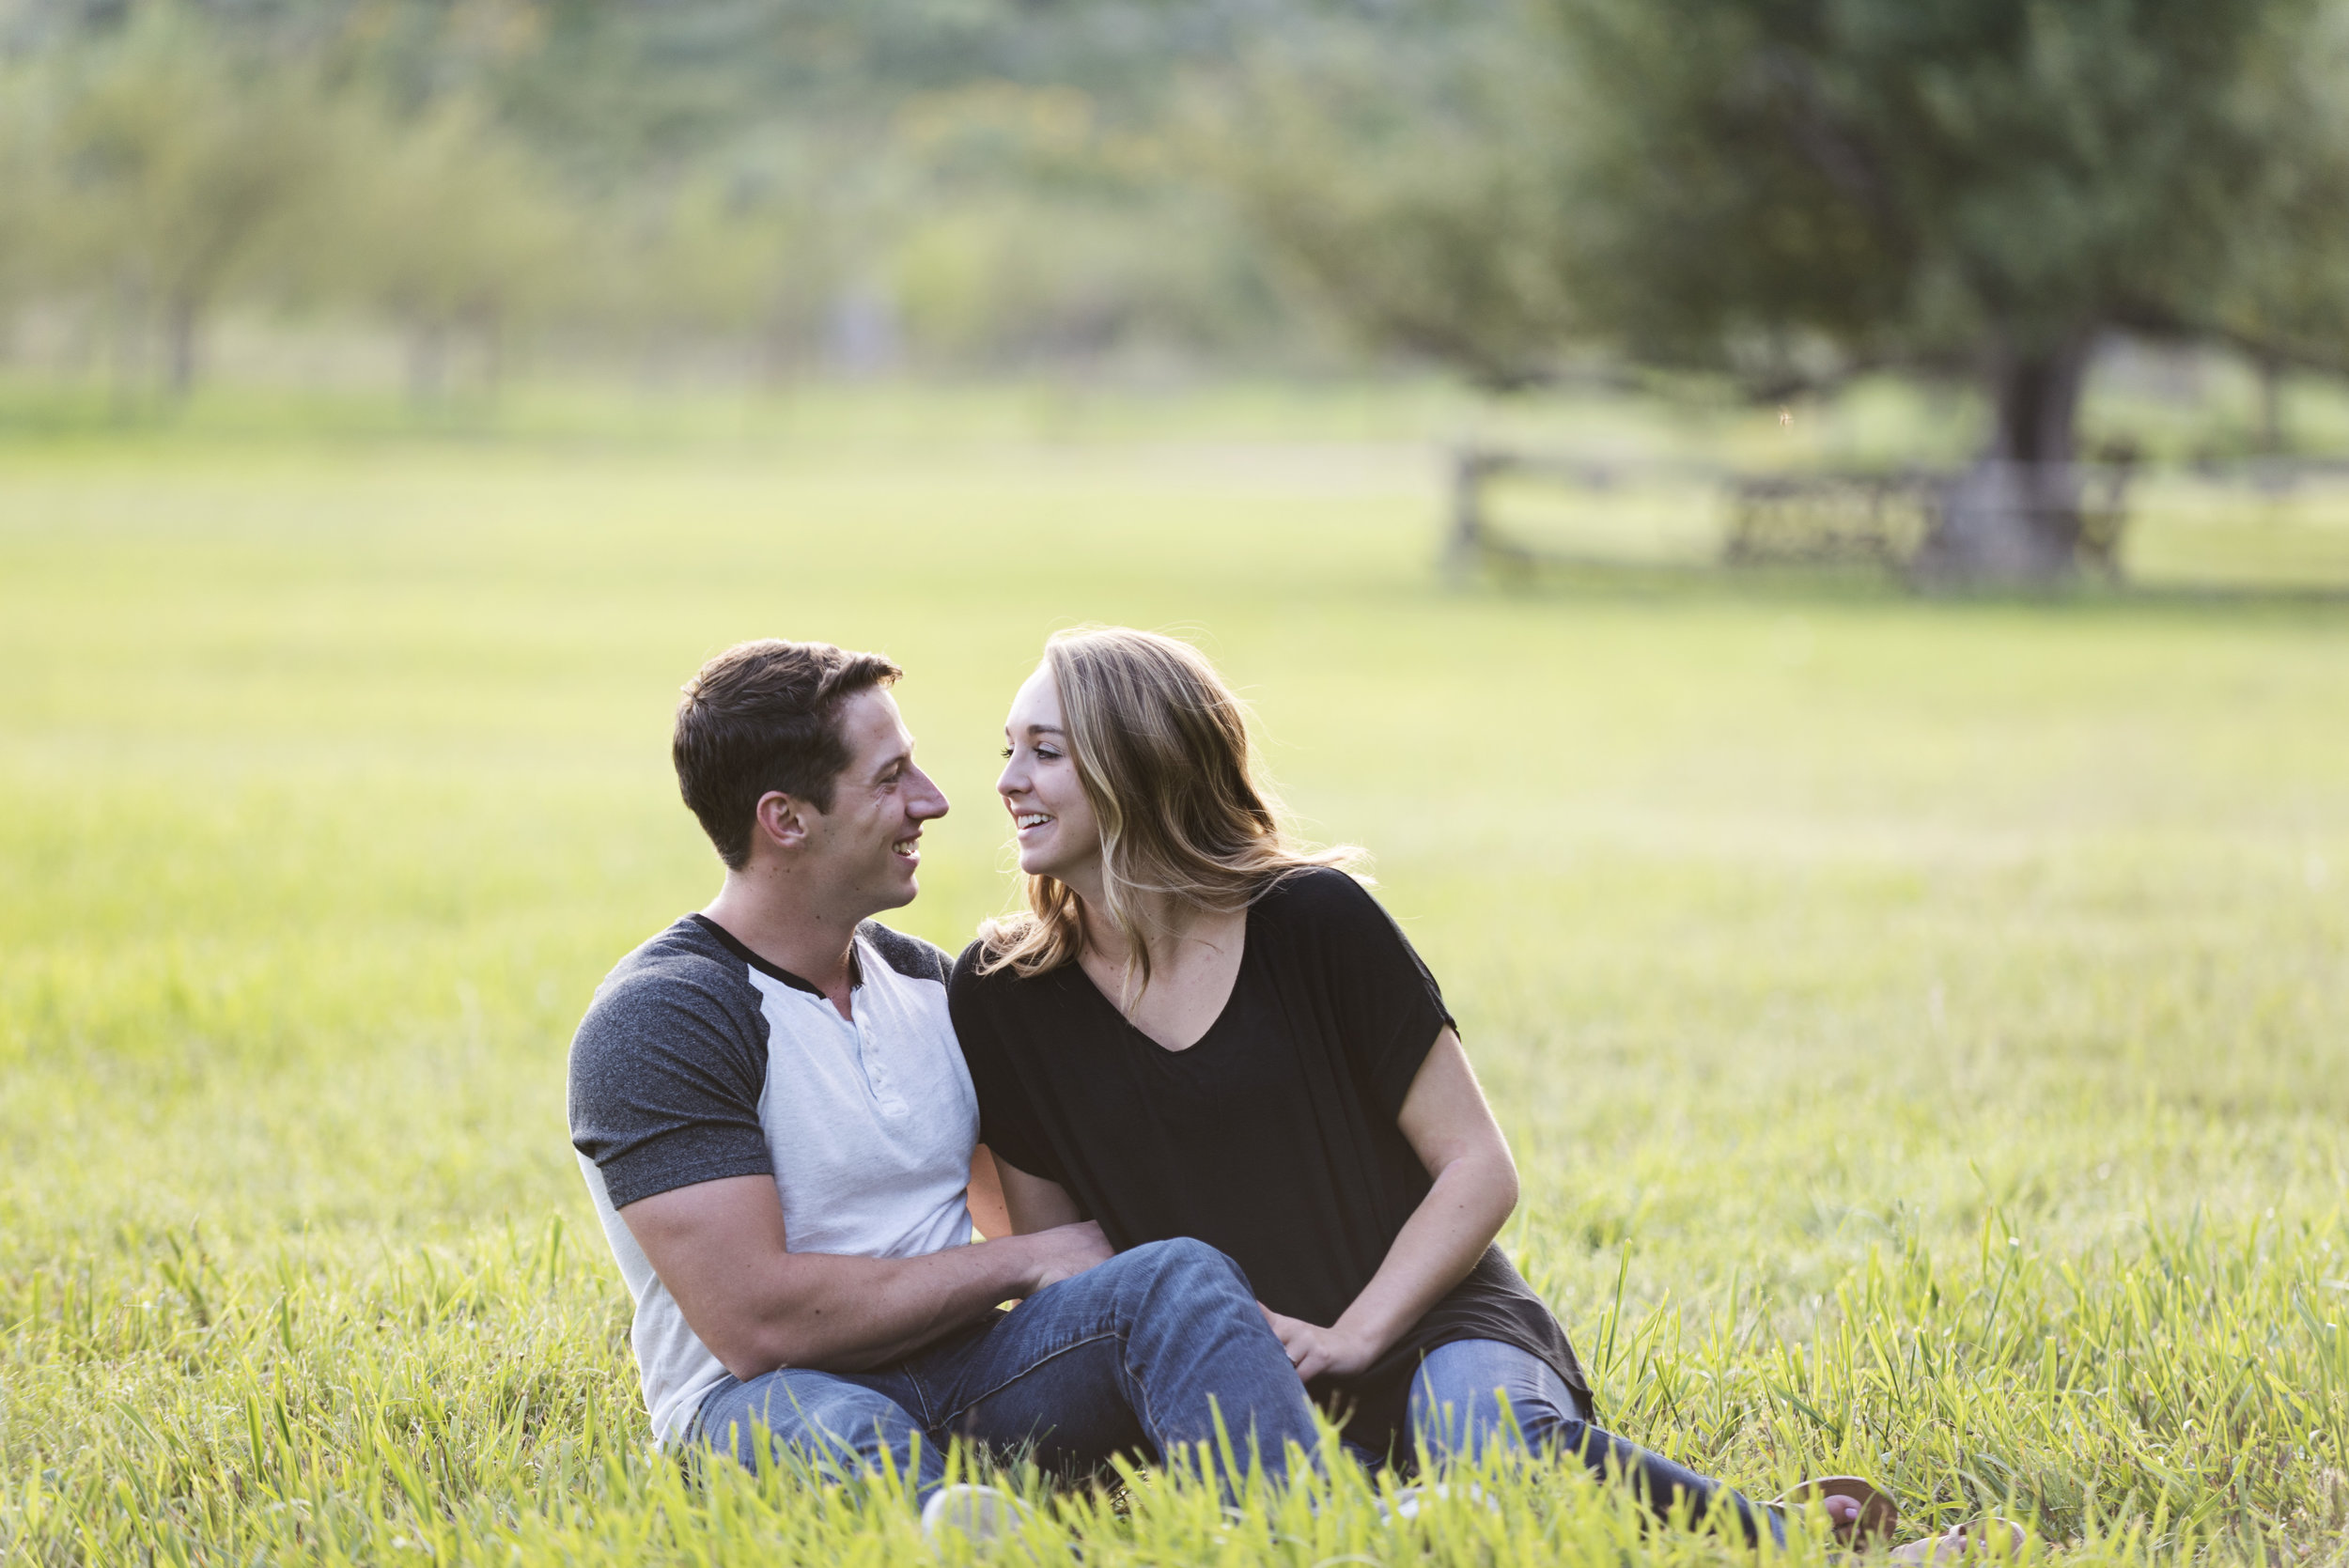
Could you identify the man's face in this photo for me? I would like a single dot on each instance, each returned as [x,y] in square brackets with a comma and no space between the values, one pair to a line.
[864,851]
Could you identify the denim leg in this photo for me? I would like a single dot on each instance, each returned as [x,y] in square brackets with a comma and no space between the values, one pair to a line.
[841,1425]
[1140,1353]
[1458,1410]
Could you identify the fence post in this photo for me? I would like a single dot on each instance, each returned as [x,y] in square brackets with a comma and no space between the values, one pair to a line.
[1464,547]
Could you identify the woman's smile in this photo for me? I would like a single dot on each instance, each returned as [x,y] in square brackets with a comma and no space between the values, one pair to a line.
[1061,838]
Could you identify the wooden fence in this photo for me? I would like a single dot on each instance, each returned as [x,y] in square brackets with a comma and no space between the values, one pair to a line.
[1882,521]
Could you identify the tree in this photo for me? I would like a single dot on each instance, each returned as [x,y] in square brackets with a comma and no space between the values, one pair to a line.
[28,196]
[182,161]
[2284,300]
[1794,189]
[1403,185]
[445,223]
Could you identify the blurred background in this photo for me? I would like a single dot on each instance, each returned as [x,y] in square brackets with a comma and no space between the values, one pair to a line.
[2025,265]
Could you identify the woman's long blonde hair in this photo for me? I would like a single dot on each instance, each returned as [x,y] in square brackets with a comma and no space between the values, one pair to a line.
[1167,761]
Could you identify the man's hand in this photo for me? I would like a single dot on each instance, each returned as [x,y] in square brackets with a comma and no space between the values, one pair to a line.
[1318,1352]
[1065,1252]
[718,1247]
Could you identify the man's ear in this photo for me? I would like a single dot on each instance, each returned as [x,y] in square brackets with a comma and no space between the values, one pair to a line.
[782,820]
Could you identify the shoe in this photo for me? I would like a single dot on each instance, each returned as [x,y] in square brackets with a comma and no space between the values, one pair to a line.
[1991,1537]
[1879,1515]
[1409,1501]
[981,1513]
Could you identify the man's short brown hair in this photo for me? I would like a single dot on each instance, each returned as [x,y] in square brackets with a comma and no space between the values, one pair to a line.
[766,716]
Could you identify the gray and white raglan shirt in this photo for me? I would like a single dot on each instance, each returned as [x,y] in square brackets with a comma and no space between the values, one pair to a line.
[698,1060]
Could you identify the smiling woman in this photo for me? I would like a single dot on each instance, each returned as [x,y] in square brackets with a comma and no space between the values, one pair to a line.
[1201,1029]
[1161,811]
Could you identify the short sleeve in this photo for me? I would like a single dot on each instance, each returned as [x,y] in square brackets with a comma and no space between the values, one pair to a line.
[1387,1007]
[909,956]
[665,1078]
[1007,1120]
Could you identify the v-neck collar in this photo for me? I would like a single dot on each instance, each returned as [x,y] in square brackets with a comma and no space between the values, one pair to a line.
[1142,1036]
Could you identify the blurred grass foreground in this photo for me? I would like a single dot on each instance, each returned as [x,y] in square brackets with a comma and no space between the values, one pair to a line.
[1920,1024]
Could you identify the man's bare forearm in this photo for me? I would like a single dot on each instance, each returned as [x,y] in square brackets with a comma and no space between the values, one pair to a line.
[837,1314]
[720,1248]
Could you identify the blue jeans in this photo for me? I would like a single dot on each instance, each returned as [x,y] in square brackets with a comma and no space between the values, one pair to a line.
[1142,1354]
[1458,1410]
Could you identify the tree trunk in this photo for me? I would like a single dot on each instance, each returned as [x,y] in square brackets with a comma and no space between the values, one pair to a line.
[772,348]
[493,326]
[180,316]
[427,362]
[2271,375]
[126,375]
[2015,515]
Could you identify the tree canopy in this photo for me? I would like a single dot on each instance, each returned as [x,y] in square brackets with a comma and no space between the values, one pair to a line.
[1791,189]
[987,183]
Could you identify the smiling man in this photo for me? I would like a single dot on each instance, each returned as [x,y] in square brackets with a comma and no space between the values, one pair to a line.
[779,1134]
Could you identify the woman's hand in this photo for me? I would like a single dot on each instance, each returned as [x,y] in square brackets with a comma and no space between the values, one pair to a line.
[1473,1186]
[1318,1352]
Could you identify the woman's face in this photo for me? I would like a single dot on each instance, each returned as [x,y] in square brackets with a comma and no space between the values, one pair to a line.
[1058,834]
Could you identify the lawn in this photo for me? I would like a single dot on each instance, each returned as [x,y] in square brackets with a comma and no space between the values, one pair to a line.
[1924,1027]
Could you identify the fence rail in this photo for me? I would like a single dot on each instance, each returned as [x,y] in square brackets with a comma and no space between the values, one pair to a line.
[1901,522]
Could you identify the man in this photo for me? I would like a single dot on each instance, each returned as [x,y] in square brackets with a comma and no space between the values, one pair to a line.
[778,1131]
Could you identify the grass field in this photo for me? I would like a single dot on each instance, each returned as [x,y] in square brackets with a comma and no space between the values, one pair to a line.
[1924,1027]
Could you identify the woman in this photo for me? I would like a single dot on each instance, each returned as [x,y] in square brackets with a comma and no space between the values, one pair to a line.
[1200,1029]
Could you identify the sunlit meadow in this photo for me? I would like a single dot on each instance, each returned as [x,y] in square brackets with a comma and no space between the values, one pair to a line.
[1924,1027]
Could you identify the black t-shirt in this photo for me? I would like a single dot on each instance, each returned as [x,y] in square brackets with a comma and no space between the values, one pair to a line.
[1274,1138]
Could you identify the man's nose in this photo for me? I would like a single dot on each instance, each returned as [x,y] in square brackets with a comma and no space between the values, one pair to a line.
[928,801]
